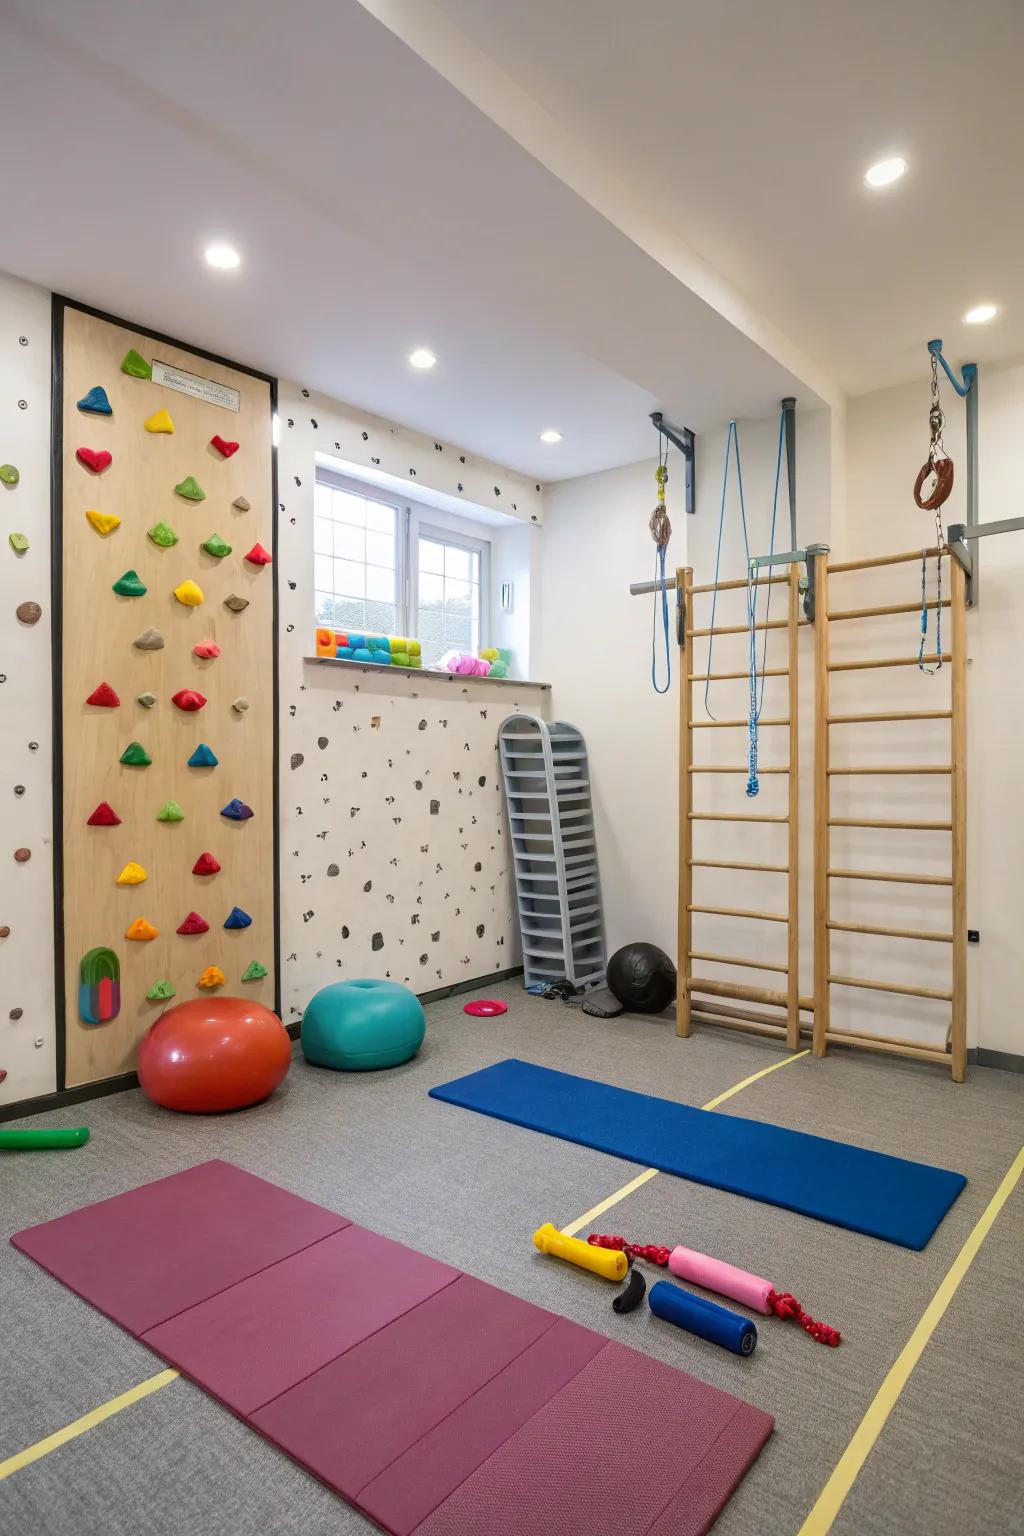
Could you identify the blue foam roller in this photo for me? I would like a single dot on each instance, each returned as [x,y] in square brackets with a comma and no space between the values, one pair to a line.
[704,1318]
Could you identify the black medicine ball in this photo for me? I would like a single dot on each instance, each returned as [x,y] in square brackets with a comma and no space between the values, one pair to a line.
[642,977]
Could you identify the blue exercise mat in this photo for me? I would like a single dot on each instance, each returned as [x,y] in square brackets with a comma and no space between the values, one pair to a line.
[870,1192]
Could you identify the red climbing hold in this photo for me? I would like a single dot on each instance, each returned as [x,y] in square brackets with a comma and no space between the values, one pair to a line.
[194,924]
[104,816]
[206,650]
[189,699]
[206,864]
[95,459]
[258,556]
[105,696]
[226,448]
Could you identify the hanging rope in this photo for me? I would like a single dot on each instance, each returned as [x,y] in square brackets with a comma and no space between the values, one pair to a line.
[732,437]
[924,614]
[661,532]
[757,700]
[938,463]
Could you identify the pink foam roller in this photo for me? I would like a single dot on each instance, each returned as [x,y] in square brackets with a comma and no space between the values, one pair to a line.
[726,1279]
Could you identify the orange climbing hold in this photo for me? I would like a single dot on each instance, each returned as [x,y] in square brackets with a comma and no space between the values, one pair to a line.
[140,930]
[213,976]
[258,556]
[104,816]
[104,696]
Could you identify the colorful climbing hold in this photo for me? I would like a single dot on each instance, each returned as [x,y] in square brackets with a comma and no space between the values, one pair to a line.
[104,816]
[189,593]
[159,992]
[129,585]
[104,522]
[206,864]
[188,699]
[135,755]
[99,986]
[163,535]
[216,546]
[254,971]
[132,874]
[213,976]
[206,650]
[240,706]
[134,364]
[241,503]
[96,459]
[202,757]
[170,811]
[190,489]
[258,556]
[22,855]
[28,613]
[237,810]
[236,603]
[104,696]
[18,542]
[141,931]
[223,446]
[236,918]
[149,640]
[95,400]
[9,474]
[147,700]
[160,421]
[194,924]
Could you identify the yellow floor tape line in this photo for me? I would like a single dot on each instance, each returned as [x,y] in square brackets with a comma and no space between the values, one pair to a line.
[651,1173]
[86,1422]
[834,1493]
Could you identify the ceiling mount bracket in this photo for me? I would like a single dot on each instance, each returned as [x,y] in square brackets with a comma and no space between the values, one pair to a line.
[685,440]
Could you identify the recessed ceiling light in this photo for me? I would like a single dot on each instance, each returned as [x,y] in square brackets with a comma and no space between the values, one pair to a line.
[551,435]
[222,256]
[422,358]
[885,172]
[981,314]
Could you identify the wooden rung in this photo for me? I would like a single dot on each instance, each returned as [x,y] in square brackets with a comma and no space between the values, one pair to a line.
[734,586]
[736,629]
[766,869]
[894,714]
[891,986]
[914,768]
[753,1015]
[890,1047]
[769,917]
[893,826]
[753,965]
[737,989]
[887,608]
[732,768]
[730,816]
[700,1015]
[892,933]
[724,677]
[877,874]
[703,725]
[867,565]
[885,661]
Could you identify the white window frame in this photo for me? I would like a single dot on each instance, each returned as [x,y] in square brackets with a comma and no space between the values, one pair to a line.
[420,526]
[374,493]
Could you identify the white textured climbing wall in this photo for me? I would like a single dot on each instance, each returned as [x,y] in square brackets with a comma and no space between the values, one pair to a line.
[27,1033]
[394,850]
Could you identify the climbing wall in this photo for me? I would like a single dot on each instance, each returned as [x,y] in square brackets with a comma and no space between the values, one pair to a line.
[166,662]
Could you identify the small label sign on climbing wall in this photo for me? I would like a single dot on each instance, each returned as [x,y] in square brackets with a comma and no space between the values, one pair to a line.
[198,388]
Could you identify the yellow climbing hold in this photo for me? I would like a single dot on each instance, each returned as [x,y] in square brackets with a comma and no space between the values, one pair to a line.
[141,930]
[160,421]
[104,522]
[189,594]
[213,976]
[132,874]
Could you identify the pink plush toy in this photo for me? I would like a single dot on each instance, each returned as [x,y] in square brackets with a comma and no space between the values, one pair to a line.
[463,665]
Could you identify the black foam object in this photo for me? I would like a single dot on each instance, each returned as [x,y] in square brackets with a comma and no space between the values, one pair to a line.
[642,977]
[632,1293]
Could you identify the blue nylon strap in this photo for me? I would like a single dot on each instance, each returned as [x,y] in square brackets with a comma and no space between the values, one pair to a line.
[659,576]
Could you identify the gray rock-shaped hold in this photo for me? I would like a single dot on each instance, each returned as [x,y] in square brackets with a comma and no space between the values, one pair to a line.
[241,503]
[147,700]
[236,603]
[240,706]
[149,640]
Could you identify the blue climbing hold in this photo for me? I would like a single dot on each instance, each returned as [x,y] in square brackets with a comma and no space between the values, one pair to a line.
[236,918]
[96,401]
[237,810]
[203,757]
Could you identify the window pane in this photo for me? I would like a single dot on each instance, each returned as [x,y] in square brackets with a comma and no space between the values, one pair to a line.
[458,632]
[456,562]
[431,556]
[322,538]
[322,503]
[380,518]
[325,609]
[458,595]
[349,578]
[431,591]
[381,618]
[350,509]
[323,573]
[349,542]
[349,613]
[380,549]
[380,584]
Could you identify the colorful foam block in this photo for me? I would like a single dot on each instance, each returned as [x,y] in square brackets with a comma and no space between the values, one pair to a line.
[254,971]
[160,421]
[95,400]
[163,535]
[129,585]
[132,874]
[135,365]
[170,811]
[236,918]
[237,810]
[258,555]
[104,816]
[103,522]
[206,864]
[203,757]
[189,593]
[188,699]
[94,459]
[223,446]
[141,931]
[194,924]
[213,976]
[190,489]
[99,987]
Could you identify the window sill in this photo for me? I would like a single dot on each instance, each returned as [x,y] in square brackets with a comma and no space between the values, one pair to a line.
[412,673]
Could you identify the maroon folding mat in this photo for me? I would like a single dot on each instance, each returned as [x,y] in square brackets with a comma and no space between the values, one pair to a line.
[434,1403]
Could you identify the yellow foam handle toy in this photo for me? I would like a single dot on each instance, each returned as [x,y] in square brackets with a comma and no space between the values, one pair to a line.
[606,1262]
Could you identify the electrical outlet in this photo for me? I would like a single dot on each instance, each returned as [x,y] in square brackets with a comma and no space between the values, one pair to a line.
[974,935]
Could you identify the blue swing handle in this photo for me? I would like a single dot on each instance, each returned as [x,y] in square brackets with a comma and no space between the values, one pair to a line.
[970,371]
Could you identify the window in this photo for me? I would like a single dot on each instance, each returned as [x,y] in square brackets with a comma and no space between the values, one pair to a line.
[384,566]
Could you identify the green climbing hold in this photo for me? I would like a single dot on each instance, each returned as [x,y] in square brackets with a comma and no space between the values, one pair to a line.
[254,971]
[163,534]
[9,475]
[190,489]
[129,585]
[170,811]
[160,991]
[216,546]
[18,542]
[134,364]
[135,755]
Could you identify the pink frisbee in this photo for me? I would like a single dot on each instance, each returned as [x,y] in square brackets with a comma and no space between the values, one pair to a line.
[486,1007]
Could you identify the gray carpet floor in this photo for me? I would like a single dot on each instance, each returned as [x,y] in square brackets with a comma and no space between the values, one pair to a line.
[471,1190]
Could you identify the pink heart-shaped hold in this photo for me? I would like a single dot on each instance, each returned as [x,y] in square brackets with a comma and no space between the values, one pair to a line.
[95,459]
[223,446]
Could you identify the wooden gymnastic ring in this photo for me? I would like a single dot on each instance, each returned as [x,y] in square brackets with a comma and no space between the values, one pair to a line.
[942,469]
